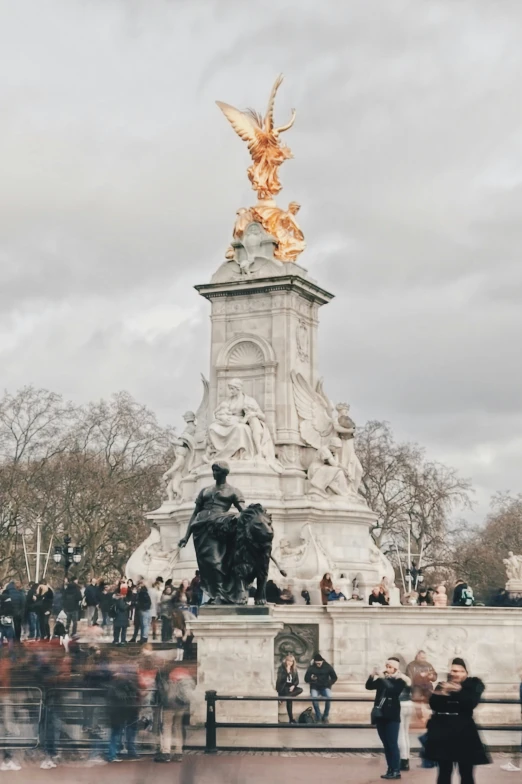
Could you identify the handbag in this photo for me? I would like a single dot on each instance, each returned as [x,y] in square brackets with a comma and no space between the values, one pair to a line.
[377,713]
[6,620]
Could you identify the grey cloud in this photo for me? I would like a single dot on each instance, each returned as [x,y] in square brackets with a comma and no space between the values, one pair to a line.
[120,181]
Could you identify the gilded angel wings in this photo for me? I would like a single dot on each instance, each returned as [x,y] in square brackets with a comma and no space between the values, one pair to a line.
[316,413]
[263,141]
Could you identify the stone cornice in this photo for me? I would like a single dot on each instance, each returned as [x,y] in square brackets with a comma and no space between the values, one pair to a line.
[305,288]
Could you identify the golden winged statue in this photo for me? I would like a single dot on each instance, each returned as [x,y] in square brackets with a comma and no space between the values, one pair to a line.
[268,153]
[264,143]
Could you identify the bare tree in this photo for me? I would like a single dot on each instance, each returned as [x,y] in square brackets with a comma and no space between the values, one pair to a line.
[34,429]
[480,549]
[413,497]
[87,471]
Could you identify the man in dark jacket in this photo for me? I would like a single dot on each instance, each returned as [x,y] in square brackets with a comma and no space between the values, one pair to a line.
[6,618]
[120,612]
[14,590]
[321,676]
[31,616]
[91,598]
[143,608]
[72,598]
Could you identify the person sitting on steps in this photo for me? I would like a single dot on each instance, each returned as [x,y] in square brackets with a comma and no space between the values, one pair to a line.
[321,676]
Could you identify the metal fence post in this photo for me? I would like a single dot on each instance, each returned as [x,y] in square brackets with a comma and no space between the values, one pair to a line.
[210,743]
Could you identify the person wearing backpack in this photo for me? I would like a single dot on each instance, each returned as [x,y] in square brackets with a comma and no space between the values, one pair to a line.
[321,676]
[462,595]
[174,689]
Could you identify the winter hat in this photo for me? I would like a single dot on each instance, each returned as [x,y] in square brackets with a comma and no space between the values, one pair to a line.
[317,657]
[459,662]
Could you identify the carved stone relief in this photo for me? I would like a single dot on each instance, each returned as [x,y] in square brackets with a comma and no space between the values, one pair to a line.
[301,639]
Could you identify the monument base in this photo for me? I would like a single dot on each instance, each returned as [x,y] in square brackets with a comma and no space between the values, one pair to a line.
[236,657]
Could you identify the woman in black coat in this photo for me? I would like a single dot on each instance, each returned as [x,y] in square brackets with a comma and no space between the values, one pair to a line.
[452,734]
[43,607]
[287,683]
[388,686]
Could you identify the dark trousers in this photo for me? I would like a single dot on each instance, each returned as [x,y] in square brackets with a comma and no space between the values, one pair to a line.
[389,735]
[120,633]
[17,623]
[43,620]
[446,769]
[137,623]
[72,617]
[166,629]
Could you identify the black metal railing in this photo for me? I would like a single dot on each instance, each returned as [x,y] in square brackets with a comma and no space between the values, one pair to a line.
[212,724]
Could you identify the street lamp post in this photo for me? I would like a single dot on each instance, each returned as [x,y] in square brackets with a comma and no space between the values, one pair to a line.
[69,553]
[414,575]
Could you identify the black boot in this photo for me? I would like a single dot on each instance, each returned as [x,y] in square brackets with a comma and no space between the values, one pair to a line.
[405,764]
[393,774]
[387,774]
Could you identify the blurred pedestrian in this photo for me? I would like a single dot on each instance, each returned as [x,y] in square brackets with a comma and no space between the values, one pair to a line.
[453,738]
[123,709]
[175,689]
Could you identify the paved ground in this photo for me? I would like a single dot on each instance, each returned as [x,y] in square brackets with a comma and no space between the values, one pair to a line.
[255,768]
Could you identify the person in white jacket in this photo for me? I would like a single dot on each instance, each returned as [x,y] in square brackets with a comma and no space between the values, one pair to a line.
[155,593]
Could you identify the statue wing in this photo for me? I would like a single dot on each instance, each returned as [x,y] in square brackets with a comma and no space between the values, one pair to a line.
[326,400]
[316,425]
[269,116]
[245,124]
[202,414]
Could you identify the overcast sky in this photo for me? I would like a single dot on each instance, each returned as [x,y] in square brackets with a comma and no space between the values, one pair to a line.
[120,178]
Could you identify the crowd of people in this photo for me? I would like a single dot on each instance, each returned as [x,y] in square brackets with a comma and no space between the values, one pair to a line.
[113,698]
[343,590]
[158,611]
[41,648]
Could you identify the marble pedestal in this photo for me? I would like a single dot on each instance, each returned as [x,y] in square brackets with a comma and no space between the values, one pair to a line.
[236,657]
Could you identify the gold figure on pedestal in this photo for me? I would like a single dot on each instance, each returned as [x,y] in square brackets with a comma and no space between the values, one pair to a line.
[268,153]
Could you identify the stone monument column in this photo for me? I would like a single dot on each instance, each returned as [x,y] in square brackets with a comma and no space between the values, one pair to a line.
[263,329]
[236,657]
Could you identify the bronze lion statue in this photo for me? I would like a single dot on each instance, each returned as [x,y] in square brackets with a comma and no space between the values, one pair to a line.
[253,550]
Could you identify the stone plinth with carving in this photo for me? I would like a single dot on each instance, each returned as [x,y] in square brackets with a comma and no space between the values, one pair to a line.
[236,657]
